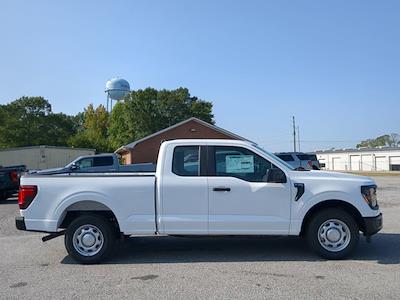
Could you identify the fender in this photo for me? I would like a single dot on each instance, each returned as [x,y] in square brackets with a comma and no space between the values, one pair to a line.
[62,207]
[305,204]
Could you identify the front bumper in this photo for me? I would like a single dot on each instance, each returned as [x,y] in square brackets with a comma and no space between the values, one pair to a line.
[373,225]
[20,223]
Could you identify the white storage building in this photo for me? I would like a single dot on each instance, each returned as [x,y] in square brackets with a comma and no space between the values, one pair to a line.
[41,157]
[364,159]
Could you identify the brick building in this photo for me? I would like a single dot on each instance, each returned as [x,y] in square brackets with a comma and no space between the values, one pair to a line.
[146,149]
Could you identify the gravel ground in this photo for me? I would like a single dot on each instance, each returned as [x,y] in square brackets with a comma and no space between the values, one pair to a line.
[191,268]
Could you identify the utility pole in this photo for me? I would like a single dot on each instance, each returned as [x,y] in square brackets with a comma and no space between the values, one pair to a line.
[298,137]
[294,135]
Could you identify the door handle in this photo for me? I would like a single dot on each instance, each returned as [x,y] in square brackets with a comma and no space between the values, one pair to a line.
[221,189]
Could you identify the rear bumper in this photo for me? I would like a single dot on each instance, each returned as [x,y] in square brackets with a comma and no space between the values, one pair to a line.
[20,223]
[373,224]
[35,225]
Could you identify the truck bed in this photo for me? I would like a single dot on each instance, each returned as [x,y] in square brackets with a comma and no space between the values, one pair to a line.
[130,196]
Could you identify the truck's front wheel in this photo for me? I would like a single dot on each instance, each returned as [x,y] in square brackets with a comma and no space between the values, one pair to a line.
[89,239]
[332,233]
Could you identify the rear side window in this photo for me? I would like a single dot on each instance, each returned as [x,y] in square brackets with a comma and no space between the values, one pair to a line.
[103,161]
[304,156]
[285,157]
[313,157]
[186,161]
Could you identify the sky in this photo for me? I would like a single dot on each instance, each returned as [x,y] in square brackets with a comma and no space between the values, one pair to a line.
[334,65]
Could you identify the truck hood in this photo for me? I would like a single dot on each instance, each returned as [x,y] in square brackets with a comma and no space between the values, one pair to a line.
[335,176]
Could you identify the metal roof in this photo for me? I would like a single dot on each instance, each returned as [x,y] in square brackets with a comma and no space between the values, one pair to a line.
[375,149]
[133,144]
[289,153]
[45,146]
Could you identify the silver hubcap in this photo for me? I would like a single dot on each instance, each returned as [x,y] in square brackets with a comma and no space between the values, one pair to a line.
[334,235]
[88,240]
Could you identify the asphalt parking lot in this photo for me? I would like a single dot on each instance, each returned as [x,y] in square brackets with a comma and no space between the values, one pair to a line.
[191,268]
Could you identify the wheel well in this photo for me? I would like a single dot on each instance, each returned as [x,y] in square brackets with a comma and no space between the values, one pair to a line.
[89,207]
[349,208]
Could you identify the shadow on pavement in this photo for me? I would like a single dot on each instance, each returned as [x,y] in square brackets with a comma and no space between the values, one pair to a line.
[384,248]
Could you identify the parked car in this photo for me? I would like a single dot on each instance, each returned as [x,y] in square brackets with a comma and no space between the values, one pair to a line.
[202,187]
[305,161]
[107,162]
[9,180]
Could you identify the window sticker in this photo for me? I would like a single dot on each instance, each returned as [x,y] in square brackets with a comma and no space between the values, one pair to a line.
[239,163]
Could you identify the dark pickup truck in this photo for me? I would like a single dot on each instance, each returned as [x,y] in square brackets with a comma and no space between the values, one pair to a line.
[100,163]
[9,180]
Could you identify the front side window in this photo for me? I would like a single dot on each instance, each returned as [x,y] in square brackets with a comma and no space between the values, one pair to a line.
[186,161]
[240,163]
[274,157]
[85,163]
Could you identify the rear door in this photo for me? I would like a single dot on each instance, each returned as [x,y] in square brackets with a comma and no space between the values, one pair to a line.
[240,199]
[184,193]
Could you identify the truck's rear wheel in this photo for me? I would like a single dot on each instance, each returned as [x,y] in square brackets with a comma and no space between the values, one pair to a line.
[332,233]
[89,239]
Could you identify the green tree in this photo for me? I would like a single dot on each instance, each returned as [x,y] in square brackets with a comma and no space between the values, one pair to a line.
[119,130]
[59,128]
[387,140]
[29,121]
[147,111]
[94,130]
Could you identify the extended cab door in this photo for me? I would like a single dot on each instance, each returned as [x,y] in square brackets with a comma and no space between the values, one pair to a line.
[184,192]
[240,199]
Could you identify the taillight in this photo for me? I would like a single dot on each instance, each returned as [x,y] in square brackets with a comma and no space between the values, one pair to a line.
[26,195]
[14,176]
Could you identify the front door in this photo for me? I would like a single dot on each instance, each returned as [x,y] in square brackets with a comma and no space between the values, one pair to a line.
[240,199]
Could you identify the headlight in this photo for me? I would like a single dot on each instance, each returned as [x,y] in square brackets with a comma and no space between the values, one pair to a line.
[369,195]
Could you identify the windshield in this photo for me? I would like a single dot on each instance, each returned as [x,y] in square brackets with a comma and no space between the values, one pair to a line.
[274,157]
[73,162]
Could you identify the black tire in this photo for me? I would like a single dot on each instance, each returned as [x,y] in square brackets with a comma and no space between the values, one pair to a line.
[93,222]
[351,232]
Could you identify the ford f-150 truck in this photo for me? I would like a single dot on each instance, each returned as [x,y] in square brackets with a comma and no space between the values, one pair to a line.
[202,187]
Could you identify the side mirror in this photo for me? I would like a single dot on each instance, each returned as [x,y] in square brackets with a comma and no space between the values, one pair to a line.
[276,176]
[74,167]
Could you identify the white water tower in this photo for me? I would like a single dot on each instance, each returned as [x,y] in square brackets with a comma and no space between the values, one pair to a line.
[116,89]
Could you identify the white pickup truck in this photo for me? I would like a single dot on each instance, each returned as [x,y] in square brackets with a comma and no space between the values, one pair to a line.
[202,187]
